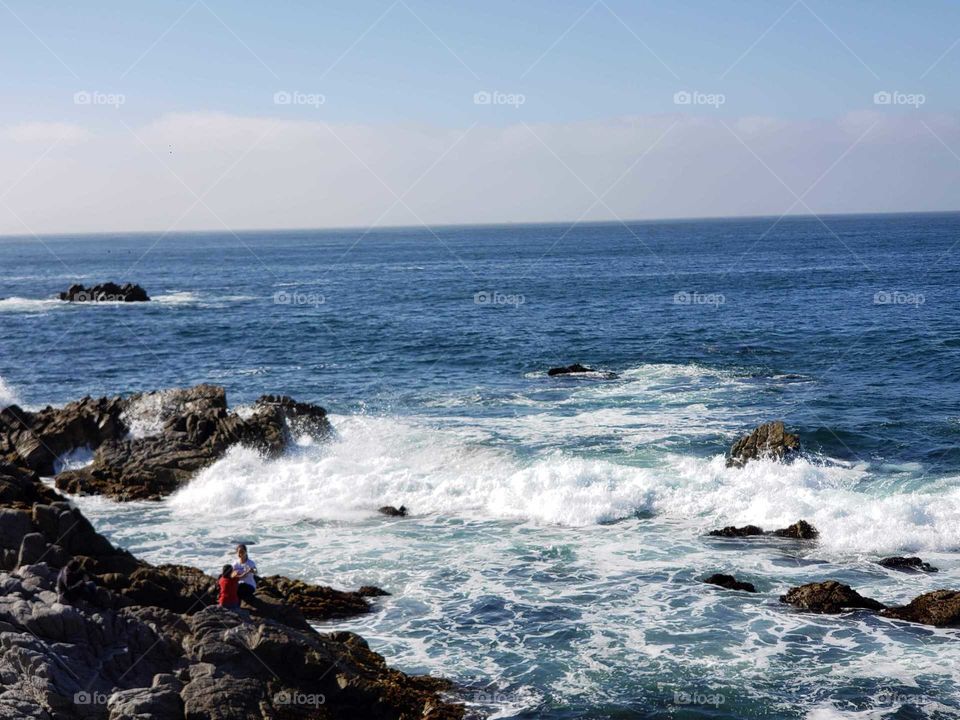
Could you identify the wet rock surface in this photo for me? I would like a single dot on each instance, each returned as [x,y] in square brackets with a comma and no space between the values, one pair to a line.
[770,440]
[193,429]
[829,597]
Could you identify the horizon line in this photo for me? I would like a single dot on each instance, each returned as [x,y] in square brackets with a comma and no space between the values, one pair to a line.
[87,234]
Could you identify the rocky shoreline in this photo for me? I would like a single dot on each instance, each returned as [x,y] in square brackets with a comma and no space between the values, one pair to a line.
[151,643]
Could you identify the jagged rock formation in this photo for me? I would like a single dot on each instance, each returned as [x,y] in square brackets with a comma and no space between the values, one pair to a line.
[770,440]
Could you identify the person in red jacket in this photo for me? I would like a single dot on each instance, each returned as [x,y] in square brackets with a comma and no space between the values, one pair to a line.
[228,582]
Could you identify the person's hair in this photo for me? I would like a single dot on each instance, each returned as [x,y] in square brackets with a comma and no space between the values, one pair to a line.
[227,571]
[241,546]
[73,564]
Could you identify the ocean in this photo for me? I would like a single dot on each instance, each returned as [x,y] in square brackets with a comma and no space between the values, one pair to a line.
[553,559]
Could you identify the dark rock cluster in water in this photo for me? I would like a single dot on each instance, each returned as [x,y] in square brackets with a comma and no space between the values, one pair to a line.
[105,292]
[770,440]
[800,530]
[196,429]
[730,583]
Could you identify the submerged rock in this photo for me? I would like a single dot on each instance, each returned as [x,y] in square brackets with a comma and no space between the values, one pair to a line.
[391,511]
[730,531]
[189,429]
[106,292]
[569,370]
[730,583]
[770,440]
[940,608]
[907,564]
[800,530]
[830,597]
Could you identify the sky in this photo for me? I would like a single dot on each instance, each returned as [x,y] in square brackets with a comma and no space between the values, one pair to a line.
[209,114]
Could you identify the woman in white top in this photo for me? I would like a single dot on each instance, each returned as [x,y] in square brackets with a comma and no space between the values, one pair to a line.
[245,569]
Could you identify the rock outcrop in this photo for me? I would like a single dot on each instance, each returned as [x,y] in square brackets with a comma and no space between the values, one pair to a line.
[568,370]
[149,644]
[800,530]
[830,597]
[193,429]
[106,292]
[770,440]
[940,608]
[731,531]
[391,511]
[907,564]
[730,583]
[578,369]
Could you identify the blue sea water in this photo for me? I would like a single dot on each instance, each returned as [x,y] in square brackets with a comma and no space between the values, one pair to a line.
[553,559]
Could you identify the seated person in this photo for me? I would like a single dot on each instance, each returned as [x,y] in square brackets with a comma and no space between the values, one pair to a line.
[228,582]
[245,570]
[73,584]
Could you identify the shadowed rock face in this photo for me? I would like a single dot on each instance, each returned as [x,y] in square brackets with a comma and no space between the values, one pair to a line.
[770,440]
[568,370]
[730,583]
[195,430]
[736,532]
[149,643]
[830,597]
[800,530]
[907,564]
[940,608]
[105,292]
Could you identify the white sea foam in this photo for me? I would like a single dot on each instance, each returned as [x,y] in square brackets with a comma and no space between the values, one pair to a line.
[29,305]
[7,395]
[377,460]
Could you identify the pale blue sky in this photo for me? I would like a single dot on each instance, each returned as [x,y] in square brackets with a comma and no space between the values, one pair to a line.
[598,80]
[405,70]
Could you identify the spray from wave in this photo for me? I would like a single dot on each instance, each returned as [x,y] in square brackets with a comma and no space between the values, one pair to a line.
[7,395]
[375,461]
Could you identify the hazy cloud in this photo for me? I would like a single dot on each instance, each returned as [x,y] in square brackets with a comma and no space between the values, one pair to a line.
[206,170]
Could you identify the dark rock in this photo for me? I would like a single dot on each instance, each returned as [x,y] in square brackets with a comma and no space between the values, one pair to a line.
[32,549]
[830,597]
[371,591]
[392,511]
[195,429]
[105,292]
[314,601]
[907,564]
[800,530]
[730,582]
[940,608]
[737,532]
[568,370]
[578,369]
[770,440]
